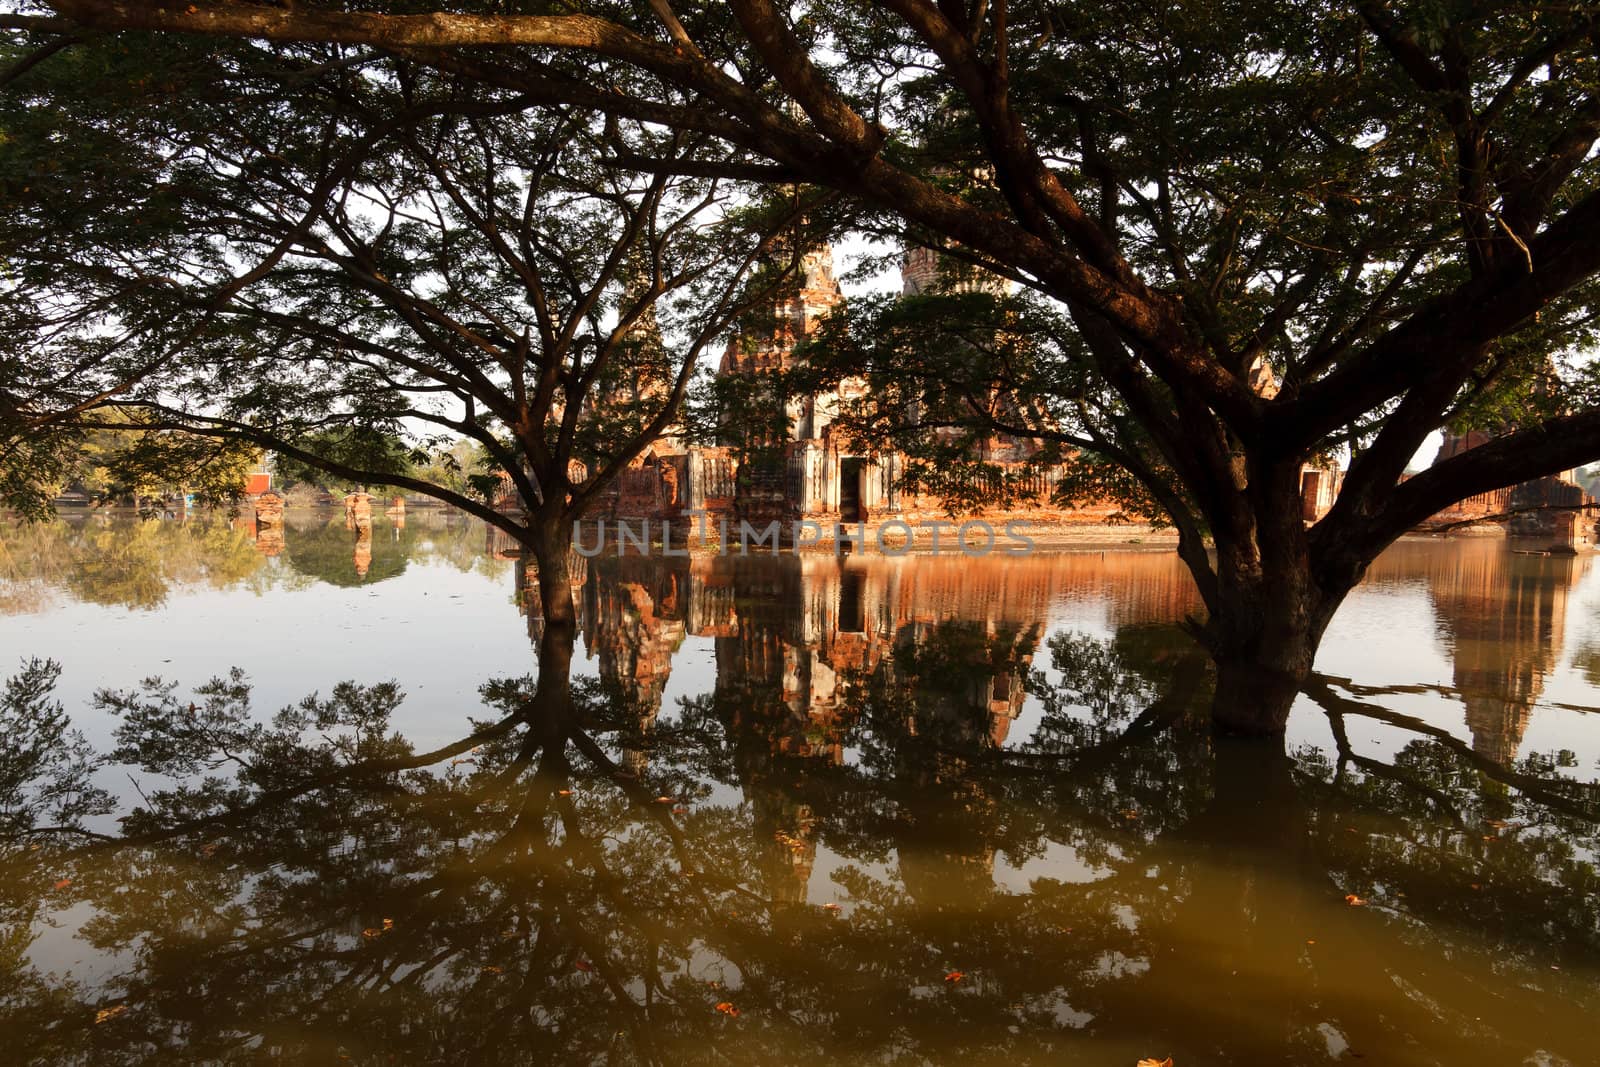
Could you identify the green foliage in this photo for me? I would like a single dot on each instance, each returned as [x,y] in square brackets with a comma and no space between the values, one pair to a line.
[746,412]
[358,257]
[364,448]
[986,393]
[1276,169]
[464,467]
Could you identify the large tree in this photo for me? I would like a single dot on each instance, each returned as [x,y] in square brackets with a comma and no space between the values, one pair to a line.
[325,250]
[1392,204]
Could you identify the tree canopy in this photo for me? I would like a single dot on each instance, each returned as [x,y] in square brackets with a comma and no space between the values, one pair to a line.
[1392,206]
[327,253]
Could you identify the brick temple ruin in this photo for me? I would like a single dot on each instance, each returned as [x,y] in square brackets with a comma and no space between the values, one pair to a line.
[821,476]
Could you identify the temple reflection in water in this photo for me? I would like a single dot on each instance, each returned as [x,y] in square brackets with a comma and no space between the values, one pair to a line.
[1502,616]
[800,627]
[804,626]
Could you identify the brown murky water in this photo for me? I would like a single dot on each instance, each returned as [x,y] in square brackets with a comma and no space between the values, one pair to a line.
[931,810]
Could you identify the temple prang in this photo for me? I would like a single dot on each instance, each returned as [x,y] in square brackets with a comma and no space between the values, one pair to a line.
[816,473]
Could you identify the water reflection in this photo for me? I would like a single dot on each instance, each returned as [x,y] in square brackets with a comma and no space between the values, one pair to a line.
[913,817]
[126,561]
[1503,617]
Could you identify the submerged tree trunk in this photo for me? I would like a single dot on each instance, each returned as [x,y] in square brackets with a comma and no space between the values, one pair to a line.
[1263,643]
[550,541]
[1272,602]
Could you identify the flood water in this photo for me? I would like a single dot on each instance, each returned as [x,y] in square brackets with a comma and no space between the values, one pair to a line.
[930,810]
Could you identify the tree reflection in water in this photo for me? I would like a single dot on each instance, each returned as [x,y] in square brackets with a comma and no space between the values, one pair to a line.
[118,559]
[587,878]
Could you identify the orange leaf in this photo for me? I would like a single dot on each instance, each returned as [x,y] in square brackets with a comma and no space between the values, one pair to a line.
[663,800]
[371,932]
[727,1008]
[830,907]
[954,976]
[109,1013]
[1155,1063]
[1353,900]
[492,969]
[63,883]
[563,792]
[583,965]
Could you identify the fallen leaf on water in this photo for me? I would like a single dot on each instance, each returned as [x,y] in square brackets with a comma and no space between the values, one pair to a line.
[63,883]
[388,924]
[1353,900]
[954,976]
[1474,885]
[583,965]
[211,849]
[663,800]
[680,810]
[727,1008]
[371,932]
[492,969]
[1155,1063]
[830,907]
[1311,941]
[109,1013]
[564,793]
[1130,813]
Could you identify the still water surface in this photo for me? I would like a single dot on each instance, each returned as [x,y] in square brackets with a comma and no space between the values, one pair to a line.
[930,810]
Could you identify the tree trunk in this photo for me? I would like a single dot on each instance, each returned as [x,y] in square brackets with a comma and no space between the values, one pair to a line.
[1269,613]
[550,541]
[1263,639]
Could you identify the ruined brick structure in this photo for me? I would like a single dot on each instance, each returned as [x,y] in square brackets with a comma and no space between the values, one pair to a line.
[1474,508]
[268,523]
[1553,514]
[815,474]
